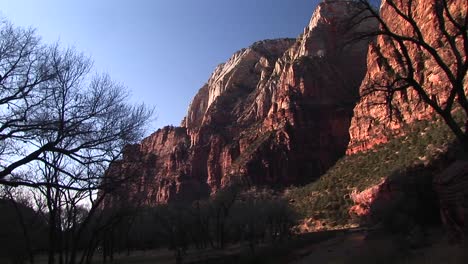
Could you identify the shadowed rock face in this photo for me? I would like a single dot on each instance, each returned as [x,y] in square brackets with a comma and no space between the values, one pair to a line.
[276,113]
[371,124]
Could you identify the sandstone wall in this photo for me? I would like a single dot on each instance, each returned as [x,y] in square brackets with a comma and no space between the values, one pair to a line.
[276,113]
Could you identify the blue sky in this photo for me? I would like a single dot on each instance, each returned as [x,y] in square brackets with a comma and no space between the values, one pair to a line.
[163,50]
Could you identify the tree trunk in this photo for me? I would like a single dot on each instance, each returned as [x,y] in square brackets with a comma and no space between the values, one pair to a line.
[52,241]
[27,239]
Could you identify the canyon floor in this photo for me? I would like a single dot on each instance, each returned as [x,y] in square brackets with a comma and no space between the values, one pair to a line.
[338,247]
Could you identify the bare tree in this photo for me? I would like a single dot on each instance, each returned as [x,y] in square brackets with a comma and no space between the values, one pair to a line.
[60,128]
[50,103]
[421,50]
[24,73]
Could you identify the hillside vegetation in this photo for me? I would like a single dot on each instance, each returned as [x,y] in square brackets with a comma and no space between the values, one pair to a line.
[410,161]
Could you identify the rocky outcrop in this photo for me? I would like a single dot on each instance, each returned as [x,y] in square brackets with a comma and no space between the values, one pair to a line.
[276,113]
[451,187]
[374,121]
[364,200]
[156,170]
[240,75]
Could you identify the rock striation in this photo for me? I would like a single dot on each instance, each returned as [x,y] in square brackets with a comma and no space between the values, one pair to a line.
[276,113]
[374,122]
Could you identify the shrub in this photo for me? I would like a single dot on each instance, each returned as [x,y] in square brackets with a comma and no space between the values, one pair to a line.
[424,146]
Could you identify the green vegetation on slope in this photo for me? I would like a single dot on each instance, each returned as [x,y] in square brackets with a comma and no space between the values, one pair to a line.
[328,197]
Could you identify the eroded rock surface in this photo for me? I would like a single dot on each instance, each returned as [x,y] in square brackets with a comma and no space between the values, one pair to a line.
[371,124]
[276,113]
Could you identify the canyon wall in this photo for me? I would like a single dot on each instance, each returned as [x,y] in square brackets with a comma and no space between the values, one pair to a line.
[374,121]
[276,113]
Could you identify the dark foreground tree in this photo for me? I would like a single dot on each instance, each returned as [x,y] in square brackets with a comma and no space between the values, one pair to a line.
[421,51]
[24,229]
[52,103]
[61,126]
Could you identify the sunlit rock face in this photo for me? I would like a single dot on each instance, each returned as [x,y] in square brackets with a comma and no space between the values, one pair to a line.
[276,113]
[371,124]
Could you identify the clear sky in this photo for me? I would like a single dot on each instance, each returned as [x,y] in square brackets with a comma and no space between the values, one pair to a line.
[163,50]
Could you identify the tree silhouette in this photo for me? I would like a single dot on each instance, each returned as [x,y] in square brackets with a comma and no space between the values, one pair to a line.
[50,103]
[60,128]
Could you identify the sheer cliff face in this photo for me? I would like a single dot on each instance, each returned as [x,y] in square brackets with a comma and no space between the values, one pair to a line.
[241,73]
[371,124]
[276,113]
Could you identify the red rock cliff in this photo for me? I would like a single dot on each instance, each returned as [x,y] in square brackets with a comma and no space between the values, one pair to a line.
[276,113]
[371,124]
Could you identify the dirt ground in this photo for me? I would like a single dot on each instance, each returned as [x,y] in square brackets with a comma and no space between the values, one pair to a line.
[364,247]
[335,247]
